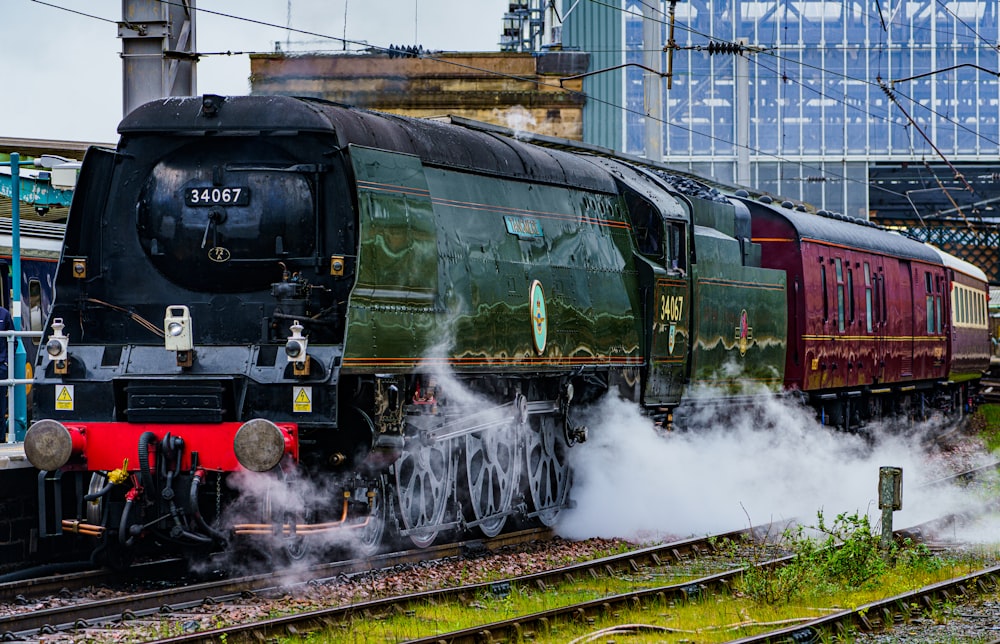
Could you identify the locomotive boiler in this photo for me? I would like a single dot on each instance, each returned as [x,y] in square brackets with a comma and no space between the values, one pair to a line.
[285,320]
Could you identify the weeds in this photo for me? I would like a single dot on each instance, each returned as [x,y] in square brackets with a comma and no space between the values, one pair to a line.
[986,422]
[846,556]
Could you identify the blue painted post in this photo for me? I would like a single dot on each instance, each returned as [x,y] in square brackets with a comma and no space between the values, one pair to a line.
[18,411]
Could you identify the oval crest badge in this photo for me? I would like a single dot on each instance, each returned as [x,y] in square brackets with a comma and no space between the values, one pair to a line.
[539,319]
[219,254]
[743,333]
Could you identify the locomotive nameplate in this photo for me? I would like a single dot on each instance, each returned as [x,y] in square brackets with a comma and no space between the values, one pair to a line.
[217,196]
[523,226]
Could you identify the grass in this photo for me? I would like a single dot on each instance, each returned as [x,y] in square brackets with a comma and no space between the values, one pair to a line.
[827,582]
[986,420]
[716,618]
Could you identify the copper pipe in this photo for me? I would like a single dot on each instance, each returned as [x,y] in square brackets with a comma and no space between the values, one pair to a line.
[76,526]
[267,529]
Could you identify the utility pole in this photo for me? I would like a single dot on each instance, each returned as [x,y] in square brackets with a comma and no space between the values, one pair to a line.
[158,51]
[652,52]
[742,89]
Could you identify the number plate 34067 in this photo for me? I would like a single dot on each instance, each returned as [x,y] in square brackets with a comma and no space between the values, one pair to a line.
[217,196]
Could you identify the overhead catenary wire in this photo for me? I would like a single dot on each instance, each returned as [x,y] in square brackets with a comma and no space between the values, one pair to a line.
[430,56]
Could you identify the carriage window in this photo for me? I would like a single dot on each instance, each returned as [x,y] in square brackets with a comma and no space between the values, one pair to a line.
[826,302]
[880,310]
[647,225]
[930,302]
[938,301]
[840,293]
[850,293]
[884,312]
[868,298]
[676,251]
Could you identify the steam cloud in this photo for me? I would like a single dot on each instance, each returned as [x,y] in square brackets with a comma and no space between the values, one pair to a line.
[518,119]
[772,463]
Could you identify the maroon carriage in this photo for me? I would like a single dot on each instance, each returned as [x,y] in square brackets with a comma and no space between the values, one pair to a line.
[968,332]
[867,313]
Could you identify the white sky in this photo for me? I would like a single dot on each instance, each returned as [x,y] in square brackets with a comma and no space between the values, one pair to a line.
[62,72]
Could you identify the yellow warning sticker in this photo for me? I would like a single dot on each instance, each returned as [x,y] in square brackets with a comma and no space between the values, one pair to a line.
[64,397]
[302,400]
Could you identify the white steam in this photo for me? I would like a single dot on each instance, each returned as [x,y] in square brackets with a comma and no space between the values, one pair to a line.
[774,463]
[518,119]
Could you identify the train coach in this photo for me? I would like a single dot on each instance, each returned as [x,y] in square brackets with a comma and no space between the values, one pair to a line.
[880,324]
[287,321]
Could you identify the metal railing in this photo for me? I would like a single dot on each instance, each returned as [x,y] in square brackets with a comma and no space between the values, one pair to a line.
[16,393]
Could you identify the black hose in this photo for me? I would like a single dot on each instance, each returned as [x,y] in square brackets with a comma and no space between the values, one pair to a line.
[147,477]
[172,447]
[123,536]
[196,511]
[181,530]
[96,495]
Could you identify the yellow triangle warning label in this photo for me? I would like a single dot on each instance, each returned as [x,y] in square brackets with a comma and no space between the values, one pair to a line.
[301,400]
[64,397]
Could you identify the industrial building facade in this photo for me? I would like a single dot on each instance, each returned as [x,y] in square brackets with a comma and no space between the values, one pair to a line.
[870,107]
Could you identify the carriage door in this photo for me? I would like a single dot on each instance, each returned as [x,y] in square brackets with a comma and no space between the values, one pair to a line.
[908,331]
[874,283]
[885,369]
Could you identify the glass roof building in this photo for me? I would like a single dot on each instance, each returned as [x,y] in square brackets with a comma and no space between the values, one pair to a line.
[873,106]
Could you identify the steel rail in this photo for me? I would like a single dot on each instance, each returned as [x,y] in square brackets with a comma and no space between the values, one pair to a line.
[127,607]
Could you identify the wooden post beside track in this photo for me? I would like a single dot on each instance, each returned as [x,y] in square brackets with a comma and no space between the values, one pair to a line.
[890,498]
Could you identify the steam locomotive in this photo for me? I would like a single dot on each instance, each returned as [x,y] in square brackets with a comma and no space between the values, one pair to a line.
[285,320]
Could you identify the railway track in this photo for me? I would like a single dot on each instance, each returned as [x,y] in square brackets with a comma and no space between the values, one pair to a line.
[128,606]
[173,601]
[885,613]
[871,616]
[24,585]
[537,624]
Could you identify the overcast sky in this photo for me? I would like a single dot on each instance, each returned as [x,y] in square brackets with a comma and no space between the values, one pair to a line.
[63,71]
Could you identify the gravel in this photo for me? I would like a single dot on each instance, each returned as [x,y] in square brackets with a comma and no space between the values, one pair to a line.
[976,621]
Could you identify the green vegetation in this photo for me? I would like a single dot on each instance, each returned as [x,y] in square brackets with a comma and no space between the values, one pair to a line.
[843,567]
[846,557]
[986,421]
